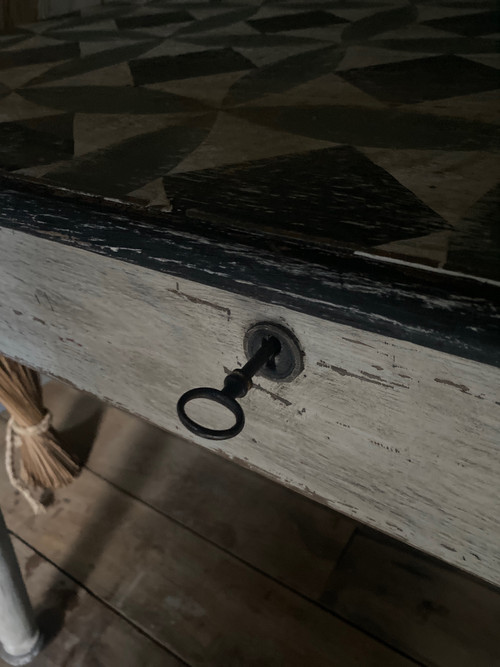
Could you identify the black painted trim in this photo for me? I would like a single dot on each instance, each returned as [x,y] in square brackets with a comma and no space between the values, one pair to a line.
[460,316]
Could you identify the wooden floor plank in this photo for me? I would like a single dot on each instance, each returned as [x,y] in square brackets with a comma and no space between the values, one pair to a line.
[426,610]
[280,532]
[430,611]
[81,630]
[198,601]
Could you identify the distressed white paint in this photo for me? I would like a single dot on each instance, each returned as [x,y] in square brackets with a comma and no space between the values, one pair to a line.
[401,437]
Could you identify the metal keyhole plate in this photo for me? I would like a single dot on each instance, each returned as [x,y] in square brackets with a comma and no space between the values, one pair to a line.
[288,363]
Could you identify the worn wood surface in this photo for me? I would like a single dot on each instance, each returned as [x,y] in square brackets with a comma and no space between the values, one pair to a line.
[370,125]
[193,598]
[383,425]
[80,629]
[416,605]
[431,611]
[396,300]
[279,532]
[398,436]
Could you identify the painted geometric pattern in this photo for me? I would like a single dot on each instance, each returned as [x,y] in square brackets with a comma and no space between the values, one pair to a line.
[366,123]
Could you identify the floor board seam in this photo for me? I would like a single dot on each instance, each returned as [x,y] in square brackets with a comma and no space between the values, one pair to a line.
[96,597]
[275,580]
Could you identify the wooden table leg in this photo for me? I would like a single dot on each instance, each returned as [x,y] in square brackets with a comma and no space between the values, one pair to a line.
[20,639]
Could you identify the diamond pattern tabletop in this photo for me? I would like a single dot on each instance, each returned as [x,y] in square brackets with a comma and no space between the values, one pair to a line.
[369,124]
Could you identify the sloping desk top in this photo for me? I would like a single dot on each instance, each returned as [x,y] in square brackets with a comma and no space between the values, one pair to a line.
[332,164]
[366,125]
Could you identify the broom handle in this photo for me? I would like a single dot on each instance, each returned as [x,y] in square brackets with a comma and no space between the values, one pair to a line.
[19,636]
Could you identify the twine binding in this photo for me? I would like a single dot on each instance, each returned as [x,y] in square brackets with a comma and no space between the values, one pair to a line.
[14,439]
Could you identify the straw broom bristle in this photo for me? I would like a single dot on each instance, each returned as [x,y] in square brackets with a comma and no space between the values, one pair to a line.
[45,464]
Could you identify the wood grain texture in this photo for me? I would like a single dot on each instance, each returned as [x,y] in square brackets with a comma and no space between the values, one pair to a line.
[191,597]
[430,611]
[401,437]
[343,186]
[369,293]
[80,629]
[352,127]
[279,532]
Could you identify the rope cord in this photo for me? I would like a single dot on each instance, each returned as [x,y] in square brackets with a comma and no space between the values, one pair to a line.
[14,438]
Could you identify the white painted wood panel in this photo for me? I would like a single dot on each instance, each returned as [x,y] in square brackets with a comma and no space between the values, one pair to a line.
[399,436]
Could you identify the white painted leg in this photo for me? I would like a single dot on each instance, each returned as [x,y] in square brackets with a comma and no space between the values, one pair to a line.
[20,639]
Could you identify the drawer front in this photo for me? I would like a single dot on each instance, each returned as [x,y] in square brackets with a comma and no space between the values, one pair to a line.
[401,437]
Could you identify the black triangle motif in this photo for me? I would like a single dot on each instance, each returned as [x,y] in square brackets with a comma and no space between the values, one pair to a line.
[334,193]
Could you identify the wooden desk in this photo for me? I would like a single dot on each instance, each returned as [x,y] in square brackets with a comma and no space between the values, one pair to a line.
[330,168]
